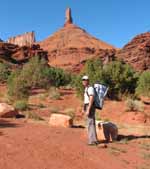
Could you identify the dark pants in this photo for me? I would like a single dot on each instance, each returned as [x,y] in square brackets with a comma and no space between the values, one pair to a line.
[92,136]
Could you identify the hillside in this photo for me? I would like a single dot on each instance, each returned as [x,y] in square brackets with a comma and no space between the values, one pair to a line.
[137,52]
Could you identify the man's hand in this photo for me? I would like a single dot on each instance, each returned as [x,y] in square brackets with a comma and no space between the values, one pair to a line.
[87,113]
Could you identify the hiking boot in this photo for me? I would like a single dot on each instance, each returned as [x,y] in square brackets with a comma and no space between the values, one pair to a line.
[95,143]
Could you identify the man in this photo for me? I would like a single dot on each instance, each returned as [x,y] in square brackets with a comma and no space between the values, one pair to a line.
[89,110]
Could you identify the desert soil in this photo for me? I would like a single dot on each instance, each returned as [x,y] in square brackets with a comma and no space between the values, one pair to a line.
[26,143]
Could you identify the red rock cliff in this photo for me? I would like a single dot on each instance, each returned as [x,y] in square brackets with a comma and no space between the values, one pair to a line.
[26,39]
[71,45]
[137,52]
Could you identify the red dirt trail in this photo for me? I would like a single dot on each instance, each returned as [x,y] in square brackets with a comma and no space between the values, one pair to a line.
[32,145]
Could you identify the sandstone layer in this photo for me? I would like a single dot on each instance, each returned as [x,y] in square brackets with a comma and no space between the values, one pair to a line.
[26,39]
[13,54]
[137,52]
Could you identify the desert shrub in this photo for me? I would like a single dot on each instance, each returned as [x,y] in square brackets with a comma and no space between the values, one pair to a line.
[93,68]
[18,88]
[35,74]
[143,87]
[4,72]
[41,105]
[53,93]
[58,77]
[134,105]
[54,110]
[21,105]
[33,115]
[120,77]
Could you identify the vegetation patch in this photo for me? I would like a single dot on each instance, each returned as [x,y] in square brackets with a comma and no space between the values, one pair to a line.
[134,105]
[33,115]
[21,105]
[53,93]
[70,112]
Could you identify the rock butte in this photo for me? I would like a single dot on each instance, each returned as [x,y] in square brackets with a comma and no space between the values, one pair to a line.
[26,39]
[71,45]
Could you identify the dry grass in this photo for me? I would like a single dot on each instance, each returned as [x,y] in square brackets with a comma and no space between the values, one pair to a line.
[70,112]
[53,93]
[134,105]
[32,115]
[116,150]
[54,110]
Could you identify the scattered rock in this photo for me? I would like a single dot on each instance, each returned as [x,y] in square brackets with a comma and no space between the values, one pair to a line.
[60,120]
[7,111]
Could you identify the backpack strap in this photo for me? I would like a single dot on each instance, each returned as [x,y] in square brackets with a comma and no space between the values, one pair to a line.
[88,93]
[87,90]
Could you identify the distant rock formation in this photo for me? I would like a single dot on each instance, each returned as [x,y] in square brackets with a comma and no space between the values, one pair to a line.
[137,52]
[1,40]
[71,46]
[26,39]
[15,55]
[68,17]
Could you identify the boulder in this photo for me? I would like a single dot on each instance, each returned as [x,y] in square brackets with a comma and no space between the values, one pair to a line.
[7,111]
[60,120]
[106,131]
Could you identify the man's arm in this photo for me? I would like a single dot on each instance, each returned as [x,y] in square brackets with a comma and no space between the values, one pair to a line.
[91,100]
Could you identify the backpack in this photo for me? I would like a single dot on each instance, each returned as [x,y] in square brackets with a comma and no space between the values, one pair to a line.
[100,93]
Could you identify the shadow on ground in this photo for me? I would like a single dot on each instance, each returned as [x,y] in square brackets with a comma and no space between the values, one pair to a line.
[131,137]
[5,124]
[78,126]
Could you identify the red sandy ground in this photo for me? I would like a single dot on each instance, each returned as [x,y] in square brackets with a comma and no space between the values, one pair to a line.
[26,144]
[38,146]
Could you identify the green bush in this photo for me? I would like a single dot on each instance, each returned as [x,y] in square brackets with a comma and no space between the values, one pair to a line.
[4,72]
[35,74]
[58,77]
[21,105]
[143,87]
[18,88]
[118,76]
[94,69]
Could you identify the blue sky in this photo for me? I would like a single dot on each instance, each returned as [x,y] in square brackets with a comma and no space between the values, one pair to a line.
[113,21]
